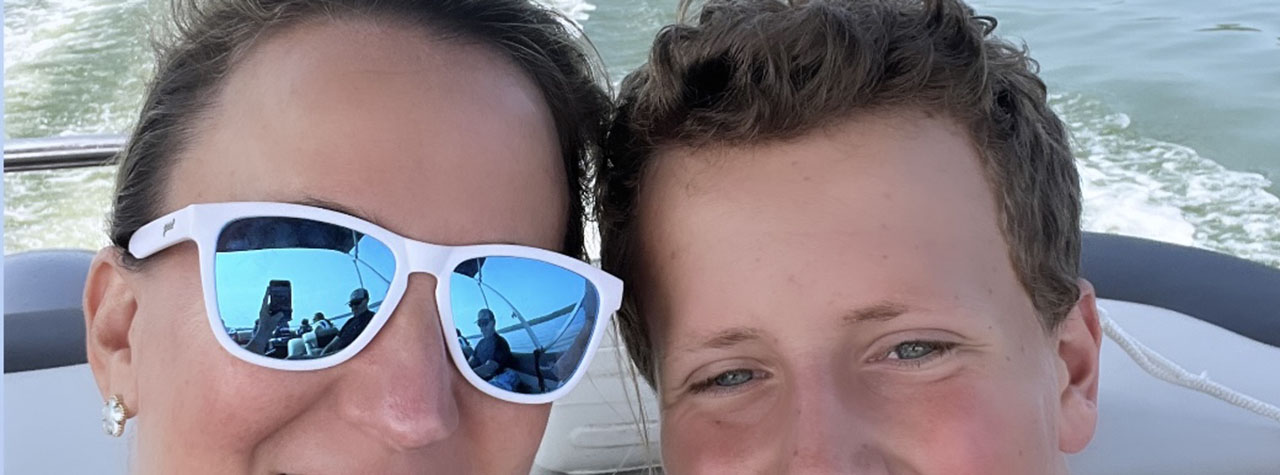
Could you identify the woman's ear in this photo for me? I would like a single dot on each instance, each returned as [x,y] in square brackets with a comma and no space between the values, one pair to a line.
[109,307]
[1079,339]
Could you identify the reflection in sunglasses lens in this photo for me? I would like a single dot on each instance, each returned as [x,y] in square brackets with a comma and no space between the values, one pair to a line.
[542,315]
[291,288]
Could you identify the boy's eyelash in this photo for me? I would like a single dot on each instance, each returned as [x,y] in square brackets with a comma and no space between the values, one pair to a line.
[702,386]
[940,349]
[708,385]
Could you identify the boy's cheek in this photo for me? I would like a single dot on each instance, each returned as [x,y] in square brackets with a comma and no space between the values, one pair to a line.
[983,423]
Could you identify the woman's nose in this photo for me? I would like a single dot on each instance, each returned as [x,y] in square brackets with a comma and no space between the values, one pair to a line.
[399,387]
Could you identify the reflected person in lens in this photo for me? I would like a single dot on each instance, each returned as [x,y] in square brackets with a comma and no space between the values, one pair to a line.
[492,355]
[273,318]
[360,317]
[389,111]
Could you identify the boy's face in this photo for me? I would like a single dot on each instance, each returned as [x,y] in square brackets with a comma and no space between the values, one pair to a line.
[845,303]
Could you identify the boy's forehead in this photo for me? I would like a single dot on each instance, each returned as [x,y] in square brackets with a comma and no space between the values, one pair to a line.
[868,162]
[872,141]
[894,203]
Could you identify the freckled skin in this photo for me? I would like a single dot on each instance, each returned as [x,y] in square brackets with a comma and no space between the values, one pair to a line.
[788,239]
[348,112]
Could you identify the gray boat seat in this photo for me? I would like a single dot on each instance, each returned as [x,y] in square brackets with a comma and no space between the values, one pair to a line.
[43,322]
[53,424]
[1149,426]
[1233,293]
[1200,309]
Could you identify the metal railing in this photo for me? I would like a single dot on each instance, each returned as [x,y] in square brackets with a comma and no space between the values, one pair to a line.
[50,153]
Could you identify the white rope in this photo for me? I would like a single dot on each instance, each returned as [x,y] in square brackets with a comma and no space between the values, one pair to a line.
[1157,365]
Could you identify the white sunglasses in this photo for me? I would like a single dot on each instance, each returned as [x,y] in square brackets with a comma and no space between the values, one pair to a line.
[296,287]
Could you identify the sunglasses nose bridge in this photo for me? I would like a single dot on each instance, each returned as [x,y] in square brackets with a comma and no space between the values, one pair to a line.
[426,257]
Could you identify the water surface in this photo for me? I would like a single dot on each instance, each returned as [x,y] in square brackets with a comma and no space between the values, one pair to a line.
[1173,106]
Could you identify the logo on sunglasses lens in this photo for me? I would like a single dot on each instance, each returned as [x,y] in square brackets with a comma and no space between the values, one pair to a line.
[168,227]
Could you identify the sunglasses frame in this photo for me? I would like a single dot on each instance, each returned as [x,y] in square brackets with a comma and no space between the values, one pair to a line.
[203,223]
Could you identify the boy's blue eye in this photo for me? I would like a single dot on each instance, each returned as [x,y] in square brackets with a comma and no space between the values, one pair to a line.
[912,350]
[733,377]
[727,382]
[918,351]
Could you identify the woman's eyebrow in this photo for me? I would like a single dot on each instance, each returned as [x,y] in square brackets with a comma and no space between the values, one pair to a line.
[878,312]
[332,206]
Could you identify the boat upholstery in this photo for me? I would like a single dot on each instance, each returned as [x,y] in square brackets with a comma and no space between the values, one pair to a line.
[1237,294]
[1148,426]
[43,322]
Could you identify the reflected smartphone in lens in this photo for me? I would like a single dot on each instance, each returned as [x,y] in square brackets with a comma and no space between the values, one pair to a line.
[280,296]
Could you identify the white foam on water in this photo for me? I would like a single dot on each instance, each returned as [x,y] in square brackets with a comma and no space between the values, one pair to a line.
[577,10]
[35,30]
[57,208]
[1154,189]
[73,66]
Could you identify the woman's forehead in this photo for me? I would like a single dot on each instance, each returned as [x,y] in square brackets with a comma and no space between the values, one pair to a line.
[458,141]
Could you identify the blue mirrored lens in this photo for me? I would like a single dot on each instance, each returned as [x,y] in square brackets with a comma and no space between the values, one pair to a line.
[524,325]
[291,288]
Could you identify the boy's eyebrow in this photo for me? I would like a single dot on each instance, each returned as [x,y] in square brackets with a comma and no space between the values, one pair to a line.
[878,312]
[725,338]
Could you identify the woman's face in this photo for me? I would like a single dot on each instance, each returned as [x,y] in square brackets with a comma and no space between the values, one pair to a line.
[394,127]
[845,303]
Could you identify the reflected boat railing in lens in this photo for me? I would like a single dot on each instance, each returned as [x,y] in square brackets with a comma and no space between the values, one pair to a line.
[50,153]
[524,323]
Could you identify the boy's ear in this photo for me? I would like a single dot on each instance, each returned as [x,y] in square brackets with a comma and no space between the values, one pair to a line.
[1079,340]
[109,309]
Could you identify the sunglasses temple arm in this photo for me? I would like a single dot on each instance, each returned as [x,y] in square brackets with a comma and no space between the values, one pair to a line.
[162,233]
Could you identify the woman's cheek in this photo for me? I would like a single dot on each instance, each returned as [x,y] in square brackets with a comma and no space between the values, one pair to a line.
[192,390]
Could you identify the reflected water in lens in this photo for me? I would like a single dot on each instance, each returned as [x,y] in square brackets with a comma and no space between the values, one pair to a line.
[524,325]
[291,288]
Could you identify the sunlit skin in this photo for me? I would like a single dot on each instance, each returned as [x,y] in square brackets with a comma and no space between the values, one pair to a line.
[786,283]
[401,129]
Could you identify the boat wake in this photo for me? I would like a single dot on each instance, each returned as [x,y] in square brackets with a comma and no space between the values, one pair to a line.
[1143,187]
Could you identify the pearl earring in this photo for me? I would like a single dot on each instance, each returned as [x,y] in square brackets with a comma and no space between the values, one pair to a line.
[113,416]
